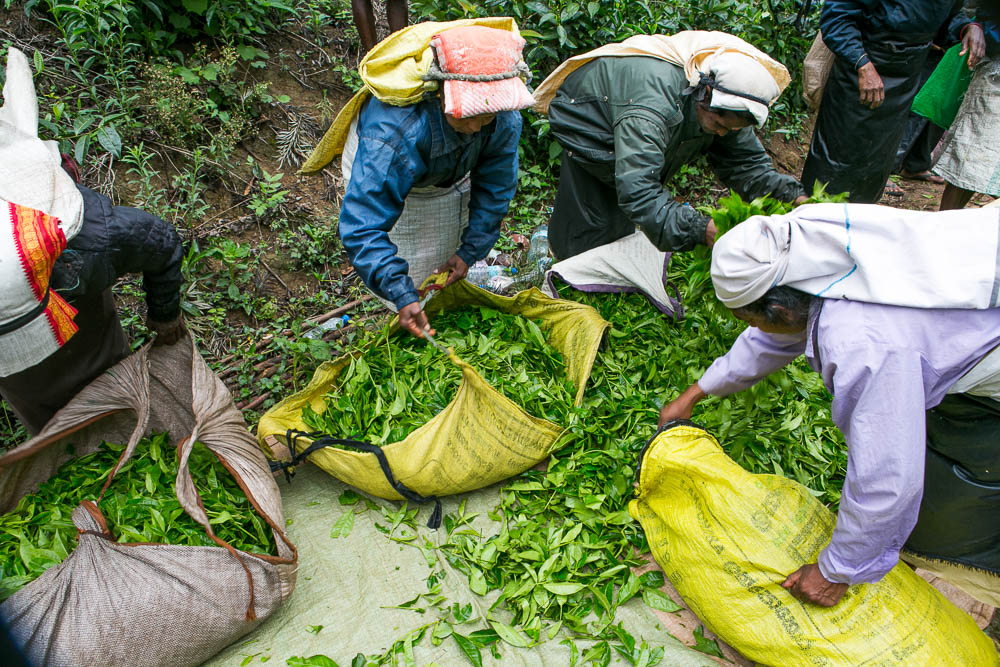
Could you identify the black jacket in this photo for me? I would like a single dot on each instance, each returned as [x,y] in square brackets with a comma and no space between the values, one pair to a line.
[117,240]
[847,24]
[633,120]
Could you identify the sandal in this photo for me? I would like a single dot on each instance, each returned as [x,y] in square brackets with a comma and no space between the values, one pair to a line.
[926,176]
[893,189]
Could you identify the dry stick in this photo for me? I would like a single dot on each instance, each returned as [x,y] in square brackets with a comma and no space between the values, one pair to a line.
[287,332]
[310,43]
[276,276]
[216,216]
[340,310]
[256,401]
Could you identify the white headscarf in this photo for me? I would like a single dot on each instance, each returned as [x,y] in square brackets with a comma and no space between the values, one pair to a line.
[31,172]
[741,84]
[863,252]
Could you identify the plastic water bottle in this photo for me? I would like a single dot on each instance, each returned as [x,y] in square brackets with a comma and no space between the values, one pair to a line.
[537,260]
[479,273]
[331,324]
[539,247]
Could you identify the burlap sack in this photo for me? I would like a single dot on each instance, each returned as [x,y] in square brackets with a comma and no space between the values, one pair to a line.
[815,70]
[147,604]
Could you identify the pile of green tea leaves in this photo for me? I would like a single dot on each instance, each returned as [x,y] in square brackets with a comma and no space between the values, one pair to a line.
[731,211]
[561,549]
[400,382]
[140,505]
[564,544]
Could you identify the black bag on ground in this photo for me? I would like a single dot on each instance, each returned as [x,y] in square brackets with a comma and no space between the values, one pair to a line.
[958,519]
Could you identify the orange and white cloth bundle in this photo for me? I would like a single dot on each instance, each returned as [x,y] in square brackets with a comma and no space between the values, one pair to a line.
[480,69]
[34,321]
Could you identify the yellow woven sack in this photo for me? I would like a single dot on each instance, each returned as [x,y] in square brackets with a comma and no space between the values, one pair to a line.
[726,539]
[393,72]
[481,437]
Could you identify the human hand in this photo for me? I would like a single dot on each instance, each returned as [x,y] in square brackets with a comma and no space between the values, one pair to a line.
[973,43]
[456,267]
[413,318]
[800,200]
[682,406]
[710,232]
[809,585]
[167,333]
[870,86]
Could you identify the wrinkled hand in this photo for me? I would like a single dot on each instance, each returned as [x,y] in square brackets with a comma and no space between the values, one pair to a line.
[800,200]
[413,318]
[456,267]
[973,43]
[682,406]
[870,86]
[710,232]
[809,585]
[167,333]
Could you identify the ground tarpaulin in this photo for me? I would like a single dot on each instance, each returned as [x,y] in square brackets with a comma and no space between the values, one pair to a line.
[348,585]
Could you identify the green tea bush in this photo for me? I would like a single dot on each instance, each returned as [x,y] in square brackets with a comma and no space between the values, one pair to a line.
[158,24]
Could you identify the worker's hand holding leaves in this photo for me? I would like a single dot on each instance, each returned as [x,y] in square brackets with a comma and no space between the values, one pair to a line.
[682,406]
[973,43]
[870,86]
[456,268]
[167,333]
[413,318]
[809,585]
[710,233]
[800,200]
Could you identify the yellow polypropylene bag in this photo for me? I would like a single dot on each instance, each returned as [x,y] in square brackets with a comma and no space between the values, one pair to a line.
[726,539]
[393,72]
[481,437]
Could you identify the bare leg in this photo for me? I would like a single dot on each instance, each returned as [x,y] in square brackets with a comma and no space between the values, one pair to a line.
[954,197]
[397,13]
[364,19]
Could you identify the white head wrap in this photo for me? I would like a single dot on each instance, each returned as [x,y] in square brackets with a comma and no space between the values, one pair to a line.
[738,78]
[31,172]
[863,252]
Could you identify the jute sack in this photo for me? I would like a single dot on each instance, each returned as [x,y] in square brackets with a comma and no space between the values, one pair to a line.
[726,539]
[815,70]
[147,604]
[480,438]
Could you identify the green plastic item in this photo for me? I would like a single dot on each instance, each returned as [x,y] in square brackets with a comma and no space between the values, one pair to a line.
[940,98]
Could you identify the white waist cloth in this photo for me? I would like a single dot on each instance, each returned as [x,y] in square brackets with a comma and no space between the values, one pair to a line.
[429,231]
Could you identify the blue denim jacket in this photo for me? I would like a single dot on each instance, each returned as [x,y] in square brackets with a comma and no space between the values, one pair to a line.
[400,148]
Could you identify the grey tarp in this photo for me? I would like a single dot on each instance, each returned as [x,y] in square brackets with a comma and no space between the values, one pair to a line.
[349,584]
[147,604]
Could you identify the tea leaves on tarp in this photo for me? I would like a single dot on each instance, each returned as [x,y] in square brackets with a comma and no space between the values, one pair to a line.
[140,505]
[400,382]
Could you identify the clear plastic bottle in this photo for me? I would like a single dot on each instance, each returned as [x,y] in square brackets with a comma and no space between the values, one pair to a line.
[479,273]
[333,323]
[539,246]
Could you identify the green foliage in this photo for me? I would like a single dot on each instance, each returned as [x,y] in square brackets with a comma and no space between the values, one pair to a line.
[269,195]
[12,432]
[140,505]
[731,211]
[158,24]
[205,101]
[558,29]
[400,383]
[311,246]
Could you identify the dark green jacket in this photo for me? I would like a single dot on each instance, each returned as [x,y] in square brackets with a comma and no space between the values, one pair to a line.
[629,119]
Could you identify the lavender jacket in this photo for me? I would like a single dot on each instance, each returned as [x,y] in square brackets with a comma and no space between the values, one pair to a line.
[885,366]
